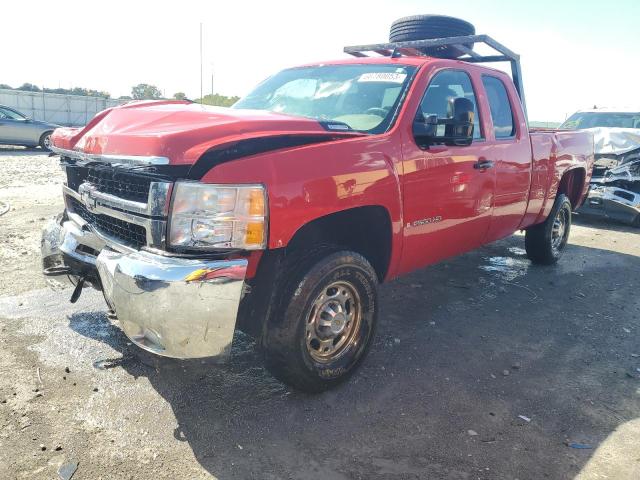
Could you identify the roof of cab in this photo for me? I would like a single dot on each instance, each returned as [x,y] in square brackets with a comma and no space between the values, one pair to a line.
[412,60]
[416,61]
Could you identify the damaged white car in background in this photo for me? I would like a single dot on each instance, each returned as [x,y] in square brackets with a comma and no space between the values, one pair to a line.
[615,185]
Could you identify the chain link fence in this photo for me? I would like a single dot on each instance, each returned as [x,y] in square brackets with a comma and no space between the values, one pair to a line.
[68,110]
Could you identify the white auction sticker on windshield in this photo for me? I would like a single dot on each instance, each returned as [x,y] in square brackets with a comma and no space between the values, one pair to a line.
[391,77]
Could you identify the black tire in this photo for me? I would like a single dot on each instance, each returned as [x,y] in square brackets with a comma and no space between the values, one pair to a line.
[289,352]
[424,27]
[45,141]
[545,242]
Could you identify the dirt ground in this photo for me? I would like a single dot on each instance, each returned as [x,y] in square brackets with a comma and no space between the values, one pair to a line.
[484,367]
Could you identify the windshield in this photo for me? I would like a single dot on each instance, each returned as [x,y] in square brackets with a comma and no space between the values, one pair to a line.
[357,97]
[595,119]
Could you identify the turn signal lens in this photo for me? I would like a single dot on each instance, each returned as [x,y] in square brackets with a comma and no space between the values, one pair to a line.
[256,203]
[255,233]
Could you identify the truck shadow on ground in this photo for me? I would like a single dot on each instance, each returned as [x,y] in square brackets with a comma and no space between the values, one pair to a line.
[483,367]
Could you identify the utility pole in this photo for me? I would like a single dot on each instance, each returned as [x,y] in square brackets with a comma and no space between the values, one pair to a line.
[200,63]
[212,81]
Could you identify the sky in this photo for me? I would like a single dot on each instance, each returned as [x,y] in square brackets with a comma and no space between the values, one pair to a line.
[574,54]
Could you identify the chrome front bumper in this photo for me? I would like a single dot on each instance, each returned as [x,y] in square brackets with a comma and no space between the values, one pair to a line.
[172,306]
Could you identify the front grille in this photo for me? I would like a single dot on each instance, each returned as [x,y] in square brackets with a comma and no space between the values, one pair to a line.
[123,184]
[126,232]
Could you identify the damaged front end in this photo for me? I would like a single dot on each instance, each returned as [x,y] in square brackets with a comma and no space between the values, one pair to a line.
[175,305]
[614,191]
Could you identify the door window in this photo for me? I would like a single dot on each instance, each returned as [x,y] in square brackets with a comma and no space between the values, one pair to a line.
[445,86]
[501,113]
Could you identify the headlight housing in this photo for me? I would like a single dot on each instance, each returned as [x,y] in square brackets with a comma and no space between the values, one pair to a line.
[209,217]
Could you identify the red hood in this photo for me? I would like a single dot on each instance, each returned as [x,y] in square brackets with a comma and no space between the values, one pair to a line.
[180,131]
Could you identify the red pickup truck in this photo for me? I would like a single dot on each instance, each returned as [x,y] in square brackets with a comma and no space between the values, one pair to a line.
[281,215]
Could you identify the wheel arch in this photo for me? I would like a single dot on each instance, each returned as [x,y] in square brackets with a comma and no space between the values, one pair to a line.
[366,230]
[44,134]
[572,185]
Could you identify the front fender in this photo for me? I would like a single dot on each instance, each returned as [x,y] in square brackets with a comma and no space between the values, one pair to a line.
[309,182]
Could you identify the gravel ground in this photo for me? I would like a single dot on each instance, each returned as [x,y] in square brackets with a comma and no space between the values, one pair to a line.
[484,367]
[30,186]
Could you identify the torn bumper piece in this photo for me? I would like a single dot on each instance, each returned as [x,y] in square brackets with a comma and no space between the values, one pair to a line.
[613,202]
[172,306]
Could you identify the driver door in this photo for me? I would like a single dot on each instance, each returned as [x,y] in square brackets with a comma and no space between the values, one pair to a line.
[448,190]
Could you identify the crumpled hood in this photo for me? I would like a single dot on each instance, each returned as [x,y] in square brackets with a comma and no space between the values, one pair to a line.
[180,131]
[616,141]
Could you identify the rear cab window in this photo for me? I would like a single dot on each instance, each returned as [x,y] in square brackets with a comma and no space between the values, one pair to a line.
[502,118]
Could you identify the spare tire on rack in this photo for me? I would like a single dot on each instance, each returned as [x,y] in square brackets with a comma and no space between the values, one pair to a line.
[425,27]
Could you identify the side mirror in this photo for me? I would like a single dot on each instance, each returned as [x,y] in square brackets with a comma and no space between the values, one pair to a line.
[425,128]
[458,126]
[460,130]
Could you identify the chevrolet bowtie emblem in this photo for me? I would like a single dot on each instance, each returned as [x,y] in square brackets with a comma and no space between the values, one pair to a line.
[87,198]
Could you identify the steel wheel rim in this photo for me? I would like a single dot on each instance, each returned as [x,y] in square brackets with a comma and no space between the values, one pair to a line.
[333,322]
[47,141]
[559,230]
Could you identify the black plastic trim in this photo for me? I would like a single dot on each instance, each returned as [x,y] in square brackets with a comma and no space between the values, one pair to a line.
[253,146]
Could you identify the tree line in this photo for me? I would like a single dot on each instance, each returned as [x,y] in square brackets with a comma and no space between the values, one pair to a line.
[142,91]
[30,87]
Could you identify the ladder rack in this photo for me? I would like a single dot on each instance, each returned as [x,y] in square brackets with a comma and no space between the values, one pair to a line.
[414,48]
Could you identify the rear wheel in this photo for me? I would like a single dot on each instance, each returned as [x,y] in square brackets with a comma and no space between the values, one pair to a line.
[324,321]
[546,241]
[45,141]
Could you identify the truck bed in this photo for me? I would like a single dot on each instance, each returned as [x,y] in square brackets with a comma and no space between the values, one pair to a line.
[557,151]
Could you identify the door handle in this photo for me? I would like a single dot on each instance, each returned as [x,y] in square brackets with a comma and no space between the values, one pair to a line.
[483,164]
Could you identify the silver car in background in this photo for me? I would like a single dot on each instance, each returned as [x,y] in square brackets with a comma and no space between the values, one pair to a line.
[18,129]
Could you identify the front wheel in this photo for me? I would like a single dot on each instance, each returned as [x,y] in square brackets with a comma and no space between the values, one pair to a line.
[324,321]
[546,241]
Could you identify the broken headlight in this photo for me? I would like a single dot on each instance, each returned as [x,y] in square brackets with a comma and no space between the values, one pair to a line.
[206,217]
